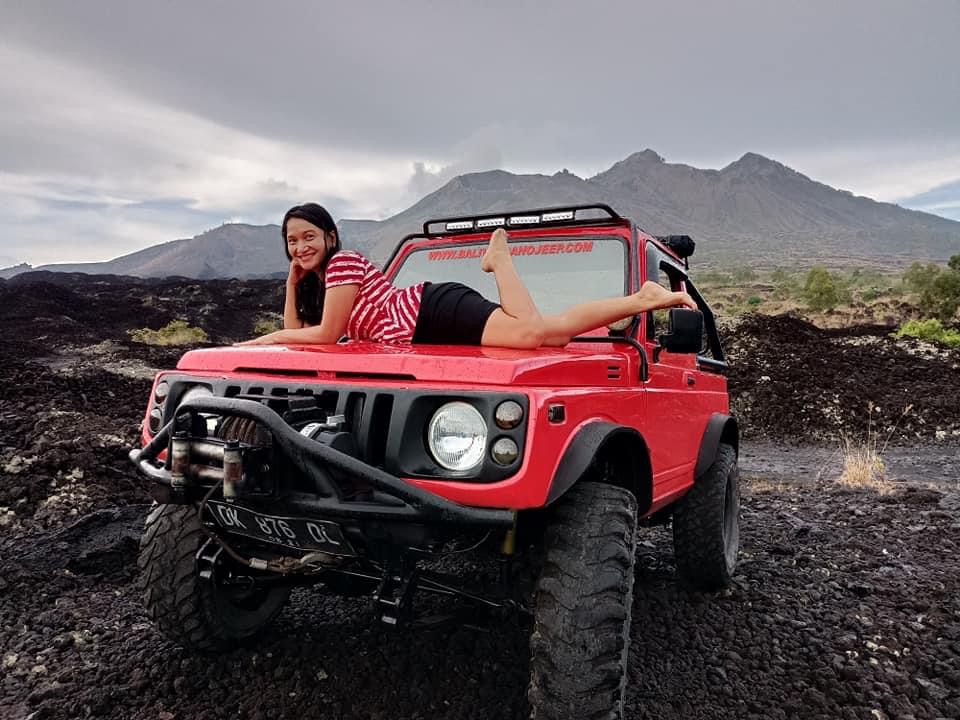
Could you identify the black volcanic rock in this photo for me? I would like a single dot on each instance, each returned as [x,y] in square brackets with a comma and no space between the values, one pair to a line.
[845,604]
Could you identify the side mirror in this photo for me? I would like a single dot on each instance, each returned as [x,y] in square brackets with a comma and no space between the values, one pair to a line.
[686,332]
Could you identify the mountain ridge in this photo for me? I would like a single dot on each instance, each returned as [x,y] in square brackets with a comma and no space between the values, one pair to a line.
[754,207]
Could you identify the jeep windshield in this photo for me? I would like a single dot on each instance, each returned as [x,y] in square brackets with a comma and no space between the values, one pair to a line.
[558,271]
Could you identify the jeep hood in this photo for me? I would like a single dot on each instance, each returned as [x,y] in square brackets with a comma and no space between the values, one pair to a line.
[590,364]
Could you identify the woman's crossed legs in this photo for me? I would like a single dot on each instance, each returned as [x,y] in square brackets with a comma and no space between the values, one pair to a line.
[519,324]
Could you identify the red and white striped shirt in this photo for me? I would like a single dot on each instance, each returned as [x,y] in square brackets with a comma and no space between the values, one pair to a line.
[381,312]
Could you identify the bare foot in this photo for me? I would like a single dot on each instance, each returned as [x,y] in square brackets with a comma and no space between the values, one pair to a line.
[495,251]
[653,296]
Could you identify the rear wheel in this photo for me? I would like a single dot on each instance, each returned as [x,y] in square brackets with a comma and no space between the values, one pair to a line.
[706,525]
[581,634]
[196,613]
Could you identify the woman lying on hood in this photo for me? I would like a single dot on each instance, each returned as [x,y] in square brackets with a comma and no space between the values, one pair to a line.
[333,292]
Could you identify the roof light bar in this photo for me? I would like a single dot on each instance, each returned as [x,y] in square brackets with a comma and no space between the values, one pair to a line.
[597,214]
[459,225]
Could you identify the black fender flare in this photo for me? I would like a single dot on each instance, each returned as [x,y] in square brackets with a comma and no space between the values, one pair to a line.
[720,429]
[589,441]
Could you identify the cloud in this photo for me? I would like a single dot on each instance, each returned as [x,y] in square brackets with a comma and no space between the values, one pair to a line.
[69,165]
[943,200]
[481,151]
[123,122]
[885,172]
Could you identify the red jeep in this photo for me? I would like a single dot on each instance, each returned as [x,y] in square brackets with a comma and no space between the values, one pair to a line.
[357,465]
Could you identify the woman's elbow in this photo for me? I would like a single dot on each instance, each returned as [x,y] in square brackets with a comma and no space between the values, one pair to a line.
[322,336]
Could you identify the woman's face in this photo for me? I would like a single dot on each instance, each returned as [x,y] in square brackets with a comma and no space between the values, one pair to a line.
[307,243]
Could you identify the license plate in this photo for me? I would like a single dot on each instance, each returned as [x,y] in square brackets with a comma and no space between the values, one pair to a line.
[295,533]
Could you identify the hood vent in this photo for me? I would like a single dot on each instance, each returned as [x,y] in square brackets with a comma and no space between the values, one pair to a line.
[614,372]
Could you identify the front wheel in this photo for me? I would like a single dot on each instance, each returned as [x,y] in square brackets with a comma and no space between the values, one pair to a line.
[196,613]
[583,601]
[706,525]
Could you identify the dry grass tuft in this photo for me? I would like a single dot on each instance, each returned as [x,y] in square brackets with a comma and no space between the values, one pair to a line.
[267,323]
[863,465]
[176,332]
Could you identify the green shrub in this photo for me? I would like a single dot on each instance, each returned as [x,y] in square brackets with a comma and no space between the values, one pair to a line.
[938,287]
[918,277]
[267,324]
[754,300]
[176,332]
[942,297]
[821,290]
[932,330]
[787,285]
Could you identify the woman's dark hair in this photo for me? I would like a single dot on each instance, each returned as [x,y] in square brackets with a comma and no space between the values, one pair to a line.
[311,290]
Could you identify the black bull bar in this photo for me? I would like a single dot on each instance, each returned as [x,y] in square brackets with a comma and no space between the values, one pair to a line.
[393,499]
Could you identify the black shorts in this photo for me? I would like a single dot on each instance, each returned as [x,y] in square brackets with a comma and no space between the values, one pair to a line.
[452,314]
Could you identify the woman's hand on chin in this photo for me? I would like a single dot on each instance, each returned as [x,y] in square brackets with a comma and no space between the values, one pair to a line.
[296,273]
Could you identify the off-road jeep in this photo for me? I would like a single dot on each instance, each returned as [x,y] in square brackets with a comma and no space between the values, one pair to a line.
[354,466]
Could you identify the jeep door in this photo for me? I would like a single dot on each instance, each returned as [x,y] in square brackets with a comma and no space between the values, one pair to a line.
[676,413]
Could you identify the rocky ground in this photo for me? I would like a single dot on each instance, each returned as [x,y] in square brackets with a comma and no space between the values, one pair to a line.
[846,602]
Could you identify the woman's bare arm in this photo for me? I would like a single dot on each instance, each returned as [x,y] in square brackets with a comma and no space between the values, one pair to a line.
[337,305]
[291,318]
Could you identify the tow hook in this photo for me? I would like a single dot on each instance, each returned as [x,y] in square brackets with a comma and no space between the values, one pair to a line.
[393,598]
[206,560]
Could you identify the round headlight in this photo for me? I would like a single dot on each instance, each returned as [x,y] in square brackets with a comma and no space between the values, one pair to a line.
[505,451]
[156,420]
[161,392]
[457,436]
[508,414]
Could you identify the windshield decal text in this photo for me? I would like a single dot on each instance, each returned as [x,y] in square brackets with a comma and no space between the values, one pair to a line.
[559,248]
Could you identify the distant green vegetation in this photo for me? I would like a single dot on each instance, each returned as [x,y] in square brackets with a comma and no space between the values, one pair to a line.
[822,290]
[933,289]
[938,287]
[932,330]
[176,332]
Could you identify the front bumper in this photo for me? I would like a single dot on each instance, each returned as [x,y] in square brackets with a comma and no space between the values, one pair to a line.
[390,499]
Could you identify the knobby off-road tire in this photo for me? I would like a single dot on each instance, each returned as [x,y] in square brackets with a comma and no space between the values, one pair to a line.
[191,611]
[581,633]
[706,526]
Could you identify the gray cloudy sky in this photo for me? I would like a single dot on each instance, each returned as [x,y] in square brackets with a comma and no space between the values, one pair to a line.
[124,124]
